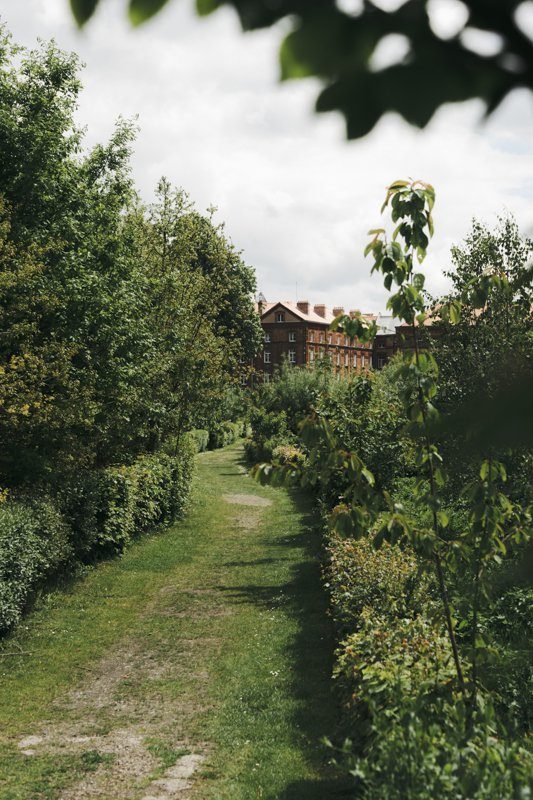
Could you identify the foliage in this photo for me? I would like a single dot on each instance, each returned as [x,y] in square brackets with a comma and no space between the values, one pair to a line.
[224,434]
[99,513]
[200,439]
[123,327]
[337,45]
[485,357]
[461,534]
[416,755]
[34,545]
[358,576]
[294,392]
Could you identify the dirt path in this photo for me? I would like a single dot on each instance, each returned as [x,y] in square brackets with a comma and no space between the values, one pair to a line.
[194,667]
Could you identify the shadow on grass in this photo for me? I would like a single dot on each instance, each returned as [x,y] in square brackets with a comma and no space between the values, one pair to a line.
[311,653]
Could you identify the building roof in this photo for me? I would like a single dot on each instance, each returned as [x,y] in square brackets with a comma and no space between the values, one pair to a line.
[387,324]
[311,316]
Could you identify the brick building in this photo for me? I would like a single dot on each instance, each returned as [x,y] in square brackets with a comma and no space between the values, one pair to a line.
[385,344]
[299,333]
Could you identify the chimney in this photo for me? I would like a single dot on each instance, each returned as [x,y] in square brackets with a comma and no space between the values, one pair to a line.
[303,305]
[337,311]
[321,311]
[354,312]
[261,303]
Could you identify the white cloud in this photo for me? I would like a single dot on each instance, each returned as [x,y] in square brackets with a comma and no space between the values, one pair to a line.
[294,195]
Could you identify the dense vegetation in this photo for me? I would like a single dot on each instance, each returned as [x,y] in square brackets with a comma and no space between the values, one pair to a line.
[427,523]
[123,327]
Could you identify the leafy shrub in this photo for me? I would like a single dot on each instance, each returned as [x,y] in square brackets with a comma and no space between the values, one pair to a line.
[269,431]
[421,753]
[359,576]
[107,507]
[294,392]
[412,738]
[391,658]
[34,544]
[224,434]
[200,439]
[288,454]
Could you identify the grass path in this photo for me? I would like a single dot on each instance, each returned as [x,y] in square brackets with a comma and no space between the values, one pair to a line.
[196,666]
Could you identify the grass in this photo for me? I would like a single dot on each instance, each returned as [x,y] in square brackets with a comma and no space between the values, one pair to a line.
[227,645]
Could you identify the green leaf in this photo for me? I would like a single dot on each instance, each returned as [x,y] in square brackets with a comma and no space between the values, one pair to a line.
[443,519]
[205,7]
[83,10]
[141,10]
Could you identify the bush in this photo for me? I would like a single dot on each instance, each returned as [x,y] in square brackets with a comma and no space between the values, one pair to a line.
[98,512]
[359,576]
[224,434]
[106,508]
[200,439]
[416,757]
[34,544]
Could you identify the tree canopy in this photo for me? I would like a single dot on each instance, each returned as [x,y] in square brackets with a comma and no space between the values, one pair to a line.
[337,46]
[122,325]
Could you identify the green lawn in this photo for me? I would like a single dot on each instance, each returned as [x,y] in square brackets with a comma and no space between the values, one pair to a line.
[209,638]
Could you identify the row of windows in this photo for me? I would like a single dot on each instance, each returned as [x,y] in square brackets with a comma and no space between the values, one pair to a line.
[321,338]
[292,337]
[267,357]
[346,359]
[292,357]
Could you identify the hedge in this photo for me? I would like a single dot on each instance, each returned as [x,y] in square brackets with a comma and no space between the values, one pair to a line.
[200,438]
[395,676]
[96,513]
[224,434]
[34,545]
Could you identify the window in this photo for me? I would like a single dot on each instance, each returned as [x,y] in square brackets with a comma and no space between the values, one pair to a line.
[381,343]
[355,359]
[267,338]
[346,359]
[381,362]
[292,356]
[363,360]
[322,336]
[266,357]
[292,336]
[280,316]
[311,336]
[339,339]
[266,377]
[330,338]
[338,359]
[311,355]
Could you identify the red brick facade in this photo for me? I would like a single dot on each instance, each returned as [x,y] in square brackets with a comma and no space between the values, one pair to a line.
[300,334]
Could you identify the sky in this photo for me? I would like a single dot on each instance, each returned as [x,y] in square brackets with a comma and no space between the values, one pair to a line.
[294,195]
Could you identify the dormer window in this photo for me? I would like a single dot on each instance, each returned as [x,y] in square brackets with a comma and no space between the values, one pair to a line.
[280,316]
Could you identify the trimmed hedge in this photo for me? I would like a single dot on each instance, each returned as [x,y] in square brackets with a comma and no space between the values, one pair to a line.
[111,505]
[104,510]
[224,434]
[34,545]
[200,439]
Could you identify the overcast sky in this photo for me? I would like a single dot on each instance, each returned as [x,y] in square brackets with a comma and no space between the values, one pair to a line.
[295,196]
